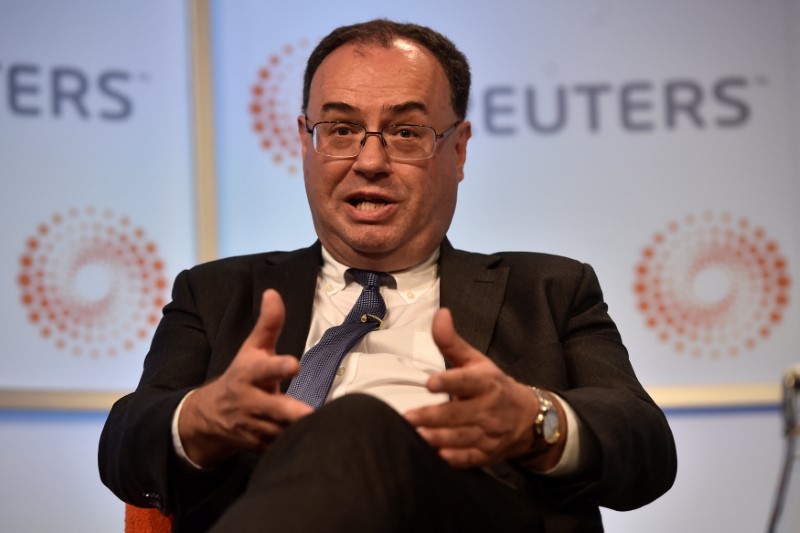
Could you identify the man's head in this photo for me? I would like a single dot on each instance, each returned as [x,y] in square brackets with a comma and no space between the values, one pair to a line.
[374,207]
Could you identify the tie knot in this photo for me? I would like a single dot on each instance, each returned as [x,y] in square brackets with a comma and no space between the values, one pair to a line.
[367,278]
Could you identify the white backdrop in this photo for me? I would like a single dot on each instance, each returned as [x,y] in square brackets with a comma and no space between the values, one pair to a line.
[656,141]
[97,202]
[599,194]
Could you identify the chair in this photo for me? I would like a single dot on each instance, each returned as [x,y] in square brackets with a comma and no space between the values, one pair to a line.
[146,520]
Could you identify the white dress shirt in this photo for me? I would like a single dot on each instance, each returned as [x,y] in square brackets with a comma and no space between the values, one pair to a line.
[394,362]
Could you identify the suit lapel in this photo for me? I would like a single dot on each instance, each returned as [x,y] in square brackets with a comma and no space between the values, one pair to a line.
[473,287]
[294,276]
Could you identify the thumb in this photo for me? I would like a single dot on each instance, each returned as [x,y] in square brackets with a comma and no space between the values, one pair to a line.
[270,322]
[450,344]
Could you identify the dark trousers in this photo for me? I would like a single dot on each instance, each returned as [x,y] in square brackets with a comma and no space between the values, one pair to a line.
[355,465]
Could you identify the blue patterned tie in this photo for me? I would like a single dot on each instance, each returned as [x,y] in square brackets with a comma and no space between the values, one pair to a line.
[318,365]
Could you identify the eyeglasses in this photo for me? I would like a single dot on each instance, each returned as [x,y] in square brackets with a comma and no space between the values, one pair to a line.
[403,142]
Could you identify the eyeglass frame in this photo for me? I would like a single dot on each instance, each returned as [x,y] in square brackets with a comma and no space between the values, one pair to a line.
[367,133]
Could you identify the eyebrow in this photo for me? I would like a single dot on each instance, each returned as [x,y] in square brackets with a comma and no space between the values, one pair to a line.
[411,105]
[403,107]
[337,106]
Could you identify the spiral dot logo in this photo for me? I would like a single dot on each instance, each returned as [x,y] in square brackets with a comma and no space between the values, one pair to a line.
[712,285]
[275,105]
[91,282]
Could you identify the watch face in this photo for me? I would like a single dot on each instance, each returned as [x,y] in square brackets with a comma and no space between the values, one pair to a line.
[550,426]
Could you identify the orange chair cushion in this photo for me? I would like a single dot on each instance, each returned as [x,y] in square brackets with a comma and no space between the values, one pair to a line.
[146,520]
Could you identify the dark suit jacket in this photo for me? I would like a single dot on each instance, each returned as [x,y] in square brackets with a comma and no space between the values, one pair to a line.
[541,318]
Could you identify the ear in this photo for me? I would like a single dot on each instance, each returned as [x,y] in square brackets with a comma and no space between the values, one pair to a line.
[302,133]
[464,133]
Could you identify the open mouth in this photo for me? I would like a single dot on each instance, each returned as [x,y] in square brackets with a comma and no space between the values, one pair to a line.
[362,204]
[368,202]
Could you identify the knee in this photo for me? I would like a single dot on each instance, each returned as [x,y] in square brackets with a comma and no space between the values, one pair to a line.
[359,413]
[359,405]
[351,428]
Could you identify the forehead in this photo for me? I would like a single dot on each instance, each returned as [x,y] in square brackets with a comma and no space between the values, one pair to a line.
[369,78]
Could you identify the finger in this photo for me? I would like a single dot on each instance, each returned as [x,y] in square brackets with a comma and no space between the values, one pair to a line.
[256,430]
[268,372]
[450,344]
[465,458]
[450,414]
[283,409]
[457,437]
[256,434]
[270,322]
[462,382]
[269,418]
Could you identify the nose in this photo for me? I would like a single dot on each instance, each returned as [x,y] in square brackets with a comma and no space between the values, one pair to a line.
[377,134]
[372,160]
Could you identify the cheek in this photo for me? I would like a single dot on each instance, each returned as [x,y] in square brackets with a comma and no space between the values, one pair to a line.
[314,190]
[445,186]
[322,180]
[439,201]
[308,181]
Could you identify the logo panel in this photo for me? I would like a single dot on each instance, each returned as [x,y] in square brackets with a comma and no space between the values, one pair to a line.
[712,285]
[275,104]
[92,282]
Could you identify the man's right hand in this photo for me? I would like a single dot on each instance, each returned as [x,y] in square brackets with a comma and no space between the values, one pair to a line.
[244,408]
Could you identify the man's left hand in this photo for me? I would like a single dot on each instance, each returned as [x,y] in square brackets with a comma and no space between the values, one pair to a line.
[490,415]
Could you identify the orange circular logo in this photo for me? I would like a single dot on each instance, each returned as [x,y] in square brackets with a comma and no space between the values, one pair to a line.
[712,285]
[91,282]
[275,104]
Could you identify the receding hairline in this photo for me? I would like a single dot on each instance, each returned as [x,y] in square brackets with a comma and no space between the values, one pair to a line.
[386,33]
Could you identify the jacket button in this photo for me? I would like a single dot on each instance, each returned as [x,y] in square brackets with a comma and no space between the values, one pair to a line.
[154,499]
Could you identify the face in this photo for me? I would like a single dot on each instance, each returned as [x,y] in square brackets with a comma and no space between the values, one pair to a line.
[370,211]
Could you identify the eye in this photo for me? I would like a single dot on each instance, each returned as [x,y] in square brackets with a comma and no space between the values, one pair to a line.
[402,132]
[342,131]
[338,129]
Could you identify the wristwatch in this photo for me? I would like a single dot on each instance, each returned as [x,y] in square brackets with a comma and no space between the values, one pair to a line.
[546,425]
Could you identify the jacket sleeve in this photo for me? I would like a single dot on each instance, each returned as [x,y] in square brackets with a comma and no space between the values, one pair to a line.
[637,460]
[554,332]
[136,456]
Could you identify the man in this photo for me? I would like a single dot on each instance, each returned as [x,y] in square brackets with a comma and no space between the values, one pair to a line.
[498,394]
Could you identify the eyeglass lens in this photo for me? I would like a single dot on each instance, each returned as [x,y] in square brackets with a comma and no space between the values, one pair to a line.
[340,139]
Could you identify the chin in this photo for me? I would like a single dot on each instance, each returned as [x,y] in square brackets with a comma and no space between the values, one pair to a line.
[372,240]
[373,248]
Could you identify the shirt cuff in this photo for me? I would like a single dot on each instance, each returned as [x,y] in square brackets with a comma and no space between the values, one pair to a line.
[176,436]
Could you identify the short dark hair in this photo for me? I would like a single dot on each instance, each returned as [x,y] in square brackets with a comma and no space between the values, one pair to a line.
[384,32]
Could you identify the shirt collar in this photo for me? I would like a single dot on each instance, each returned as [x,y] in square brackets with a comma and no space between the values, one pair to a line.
[414,279]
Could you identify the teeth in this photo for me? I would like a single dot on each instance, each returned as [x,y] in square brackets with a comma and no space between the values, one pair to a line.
[366,206]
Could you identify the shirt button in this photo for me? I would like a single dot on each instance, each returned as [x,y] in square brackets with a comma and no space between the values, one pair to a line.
[340,371]
[410,295]
[328,288]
